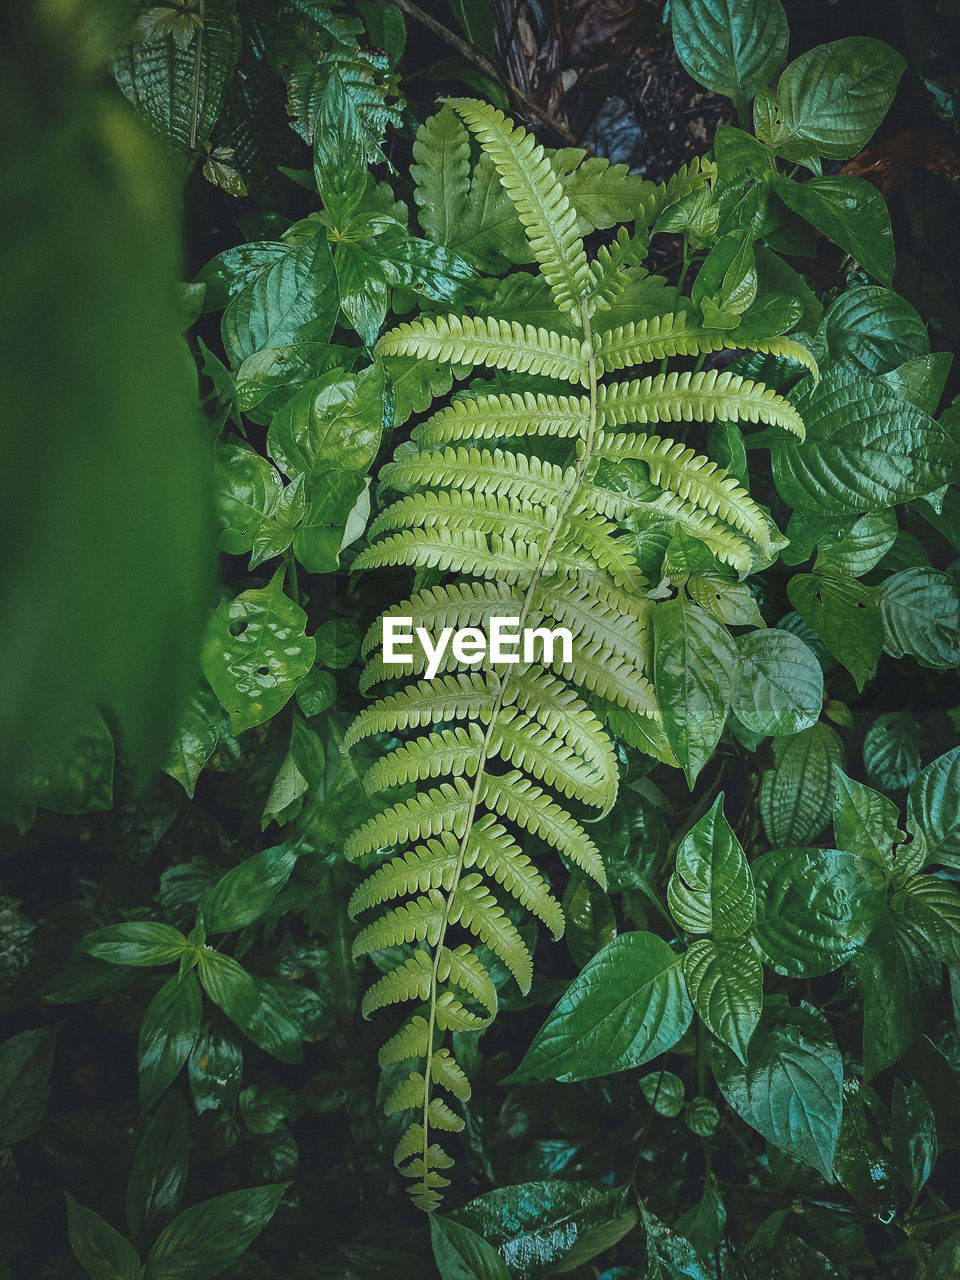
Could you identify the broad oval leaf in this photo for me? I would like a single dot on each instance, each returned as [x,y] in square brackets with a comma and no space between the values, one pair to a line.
[778,687]
[933,809]
[845,615]
[242,895]
[815,908]
[891,750]
[711,890]
[100,1249]
[898,973]
[628,1005]
[851,211]
[790,1090]
[334,421]
[460,1254]
[257,511]
[933,904]
[864,821]
[871,330]
[256,652]
[294,299]
[204,1240]
[865,449]
[725,983]
[730,46]
[921,616]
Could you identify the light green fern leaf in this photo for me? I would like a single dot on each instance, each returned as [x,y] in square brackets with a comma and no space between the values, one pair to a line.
[483,340]
[679,334]
[695,397]
[502,416]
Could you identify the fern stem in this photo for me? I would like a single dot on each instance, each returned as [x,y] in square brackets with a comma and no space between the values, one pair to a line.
[586,455]
[197,70]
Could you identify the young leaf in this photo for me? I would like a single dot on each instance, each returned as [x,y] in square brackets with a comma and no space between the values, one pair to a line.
[204,1240]
[168,1033]
[338,153]
[102,1251]
[628,1005]
[257,511]
[334,421]
[790,1090]
[711,890]
[725,983]
[141,942]
[778,685]
[243,895]
[815,908]
[196,739]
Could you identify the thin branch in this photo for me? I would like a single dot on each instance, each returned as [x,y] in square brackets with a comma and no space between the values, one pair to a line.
[466,50]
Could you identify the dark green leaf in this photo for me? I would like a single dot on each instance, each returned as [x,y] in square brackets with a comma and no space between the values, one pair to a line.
[141,942]
[891,750]
[862,1163]
[159,1169]
[102,1252]
[862,547]
[245,893]
[852,212]
[336,517]
[790,1091]
[292,300]
[725,983]
[338,153]
[196,739]
[796,795]
[664,1091]
[25,1063]
[460,1254]
[864,821]
[300,772]
[168,1032]
[871,330]
[815,908]
[257,511]
[332,422]
[921,616]
[205,1239]
[669,1255]
[913,1132]
[711,890]
[845,615]
[215,1067]
[933,904]
[627,1006]
[898,973]
[933,809]
[731,48]
[316,692]
[778,686]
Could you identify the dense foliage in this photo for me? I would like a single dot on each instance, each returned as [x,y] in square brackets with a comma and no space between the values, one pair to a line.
[638,961]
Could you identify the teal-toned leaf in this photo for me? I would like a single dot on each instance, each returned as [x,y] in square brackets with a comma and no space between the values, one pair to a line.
[933,809]
[168,1033]
[256,652]
[790,1091]
[159,1169]
[627,1006]
[865,449]
[725,983]
[292,300]
[204,1240]
[333,422]
[871,330]
[702,1117]
[933,904]
[540,1228]
[460,1254]
[891,750]
[338,643]
[704,1225]
[851,212]
[898,972]
[693,658]
[862,1163]
[141,942]
[100,1249]
[861,548]
[845,615]
[711,890]
[796,795]
[778,685]
[196,739]
[864,821]
[815,908]
[243,895]
[921,616]
[830,100]
[921,380]
[257,512]
[731,48]
[913,1132]
[669,1255]
[664,1091]
[25,1063]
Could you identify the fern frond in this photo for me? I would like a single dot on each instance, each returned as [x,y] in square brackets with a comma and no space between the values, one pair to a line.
[503,416]
[462,968]
[481,512]
[515,797]
[617,622]
[443,1117]
[407,1095]
[691,477]
[494,851]
[435,755]
[463,696]
[452,1016]
[548,217]
[462,604]
[447,1072]
[418,921]
[688,178]
[428,866]
[727,545]
[443,808]
[510,475]
[610,271]
[679,334]
[409,1042]
[498,344]
[453,551]
[592,542]
[410,981]
[695,397]
[536,751]
[475,908]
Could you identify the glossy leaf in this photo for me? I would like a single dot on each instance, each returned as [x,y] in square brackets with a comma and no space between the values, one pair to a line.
[245,893]
[664,1091]
[711,890]
[815,908]
[628,1005]
[864,821]
[933,809]
[101,1250]
[862,1163]
[291,300]
[796,795]
[933,904]
[693,658]
[778,687]
[168,1033]
[257,512]
[197,738]
[921,616]
[898,973]
[790,1090]
[730,48]
[460,1254]
[25,1063]
[913,1131]
[338,153]
[871,330]
[725,983]
[851,212]
[845,615]
[204,1240]
[159,1169]
[891,750]
[215,1067]
[332,422]
[336,517]
[141,942]
[860,549]
[255,653]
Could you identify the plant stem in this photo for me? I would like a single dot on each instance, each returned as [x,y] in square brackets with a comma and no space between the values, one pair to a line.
[504,684]
[197,69]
